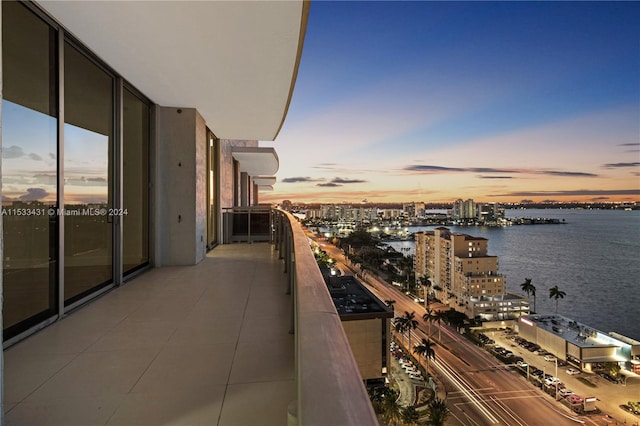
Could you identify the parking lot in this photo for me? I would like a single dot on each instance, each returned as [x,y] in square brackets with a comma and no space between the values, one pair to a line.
[573,385]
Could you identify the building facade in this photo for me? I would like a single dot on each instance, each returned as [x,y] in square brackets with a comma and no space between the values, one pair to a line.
[121,149]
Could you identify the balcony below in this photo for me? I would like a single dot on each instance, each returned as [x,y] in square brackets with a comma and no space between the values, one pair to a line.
[198,345]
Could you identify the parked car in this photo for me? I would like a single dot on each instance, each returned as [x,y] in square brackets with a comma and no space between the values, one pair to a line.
[549,357]
[608,377]
[572,371]
[565,392]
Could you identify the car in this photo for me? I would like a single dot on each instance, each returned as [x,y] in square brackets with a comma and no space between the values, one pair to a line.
[565,392]
[549,357]
[572,371]
[608,377]
[415,376]
[521,363]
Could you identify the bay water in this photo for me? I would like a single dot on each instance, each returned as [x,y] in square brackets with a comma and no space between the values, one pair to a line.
[594,257]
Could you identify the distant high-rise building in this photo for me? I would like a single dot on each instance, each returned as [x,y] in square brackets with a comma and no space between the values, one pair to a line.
[286,205]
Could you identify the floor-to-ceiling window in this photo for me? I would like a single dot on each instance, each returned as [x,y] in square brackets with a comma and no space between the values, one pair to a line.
[59,255]
[29,168]
[213,144]
[88,176]
[135,187]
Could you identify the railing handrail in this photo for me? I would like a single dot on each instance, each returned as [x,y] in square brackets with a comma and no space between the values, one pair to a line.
[330,390]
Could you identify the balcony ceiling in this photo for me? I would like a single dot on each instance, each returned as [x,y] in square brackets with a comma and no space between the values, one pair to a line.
[234,61]
[257,161]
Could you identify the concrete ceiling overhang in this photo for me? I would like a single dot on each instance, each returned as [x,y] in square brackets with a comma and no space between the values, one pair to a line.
[257,161]
[265,188]
[234,61]
[264,180]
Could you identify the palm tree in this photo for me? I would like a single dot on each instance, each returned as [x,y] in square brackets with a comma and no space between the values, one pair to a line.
[410,416]
[429,317]
[425,349]
[376,395]
[391,410]
[427,284]
[556,293]
[389,302]
[400,325]
[412,324]
[438,412]
[530,289]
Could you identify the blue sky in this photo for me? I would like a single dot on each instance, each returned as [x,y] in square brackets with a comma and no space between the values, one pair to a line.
[433,101]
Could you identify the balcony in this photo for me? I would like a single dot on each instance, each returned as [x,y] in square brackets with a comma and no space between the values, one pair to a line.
[205,344]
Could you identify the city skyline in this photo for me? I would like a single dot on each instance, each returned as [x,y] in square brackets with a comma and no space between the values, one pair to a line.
[434,101]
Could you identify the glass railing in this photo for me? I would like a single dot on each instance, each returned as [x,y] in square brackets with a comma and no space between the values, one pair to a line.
[330,390]
[246,224]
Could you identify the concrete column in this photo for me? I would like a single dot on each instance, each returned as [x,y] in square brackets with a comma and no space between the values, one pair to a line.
[244,189]
[256,199]
[180,208]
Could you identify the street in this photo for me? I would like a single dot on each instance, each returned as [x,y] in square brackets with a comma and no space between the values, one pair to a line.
[480,390]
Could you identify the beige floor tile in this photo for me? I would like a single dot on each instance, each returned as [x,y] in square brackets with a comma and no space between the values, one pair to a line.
[187,406]
[26,372]
[77,411]
[212,330]
[264,329]
[248,404]
[178,367]
[177,346]
[94,374]
[135,334]
[260,361]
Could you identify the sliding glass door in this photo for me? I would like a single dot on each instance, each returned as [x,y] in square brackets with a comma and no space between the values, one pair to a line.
[88,175]
[29,170]
[75,172]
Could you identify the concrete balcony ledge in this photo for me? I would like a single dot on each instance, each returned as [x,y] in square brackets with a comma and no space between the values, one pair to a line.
[330,390]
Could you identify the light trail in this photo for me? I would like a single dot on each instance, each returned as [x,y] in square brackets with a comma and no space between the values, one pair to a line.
[465,388]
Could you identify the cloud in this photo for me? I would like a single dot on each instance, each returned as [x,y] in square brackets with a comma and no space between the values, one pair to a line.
[97,179]
[494,177]
[15,151]
[52,156]
[567,174]
[630,144]
[343,181]
[618,165]
[328,185]
[34,157]
[422,168]
[12,151]
[299,179]
[579,192]
[34,194]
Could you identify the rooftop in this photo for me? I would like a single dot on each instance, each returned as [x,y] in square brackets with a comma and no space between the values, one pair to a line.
[579,334]
[353,300]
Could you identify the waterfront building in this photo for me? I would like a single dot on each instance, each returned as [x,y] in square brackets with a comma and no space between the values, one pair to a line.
[466,275]
[486,213]
[463,209]
[414,210]
[579,344]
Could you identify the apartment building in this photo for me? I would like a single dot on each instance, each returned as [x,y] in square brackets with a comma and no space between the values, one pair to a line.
[466,276]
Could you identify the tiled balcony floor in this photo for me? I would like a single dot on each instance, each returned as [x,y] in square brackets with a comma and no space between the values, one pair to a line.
[197,345]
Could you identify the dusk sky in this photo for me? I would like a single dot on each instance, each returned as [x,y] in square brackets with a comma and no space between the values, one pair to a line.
[434,101]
